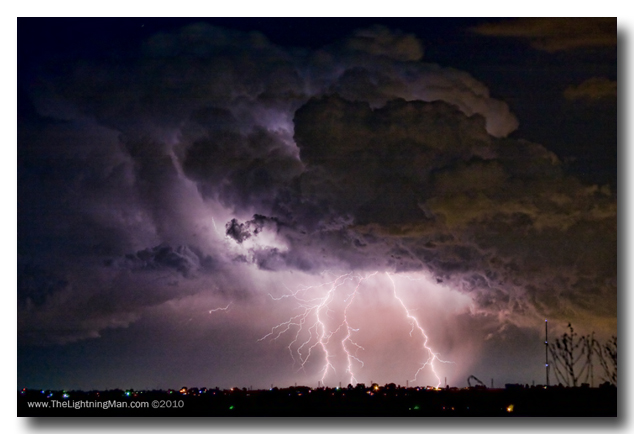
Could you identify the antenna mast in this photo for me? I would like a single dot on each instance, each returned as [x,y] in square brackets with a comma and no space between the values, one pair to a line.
[546,345]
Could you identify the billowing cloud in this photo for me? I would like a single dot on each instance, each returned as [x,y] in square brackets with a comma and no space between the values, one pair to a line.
[381,41]
[491,215]
[421,186]
[212,153]
[594,88]
[183,259]
[555,34]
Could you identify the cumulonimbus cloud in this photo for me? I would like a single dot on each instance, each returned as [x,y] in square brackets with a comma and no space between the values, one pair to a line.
[350,157]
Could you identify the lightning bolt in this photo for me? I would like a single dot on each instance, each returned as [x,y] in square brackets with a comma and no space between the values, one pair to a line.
[350,330]
[432,356]
[216,228]
[318,335]
[311,321]
[220,308]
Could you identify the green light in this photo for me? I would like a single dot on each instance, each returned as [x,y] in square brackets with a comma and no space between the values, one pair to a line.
[416,407]
[231,408]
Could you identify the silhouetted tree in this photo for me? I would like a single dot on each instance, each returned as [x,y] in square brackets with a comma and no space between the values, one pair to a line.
[589,343]
[607,358]
[568,357]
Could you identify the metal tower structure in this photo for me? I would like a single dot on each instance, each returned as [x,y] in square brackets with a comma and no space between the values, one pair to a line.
[546,345]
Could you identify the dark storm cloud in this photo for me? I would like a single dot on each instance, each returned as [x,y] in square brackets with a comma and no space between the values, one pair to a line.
[556,34]
[241,231]
[355,156]
[381,41]
[71,176]
[495,216]
[238,231]
[201,66]
[36,285]
[162,83]
[414,185]
[363,77]
[92,300]
[592,89]
[186,260]
[240,170]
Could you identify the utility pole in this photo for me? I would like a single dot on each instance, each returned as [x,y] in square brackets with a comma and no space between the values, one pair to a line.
[546,345]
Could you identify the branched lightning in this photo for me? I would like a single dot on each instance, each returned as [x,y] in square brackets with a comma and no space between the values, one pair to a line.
[311,321]
[432,356]
[317,330]
[349,331]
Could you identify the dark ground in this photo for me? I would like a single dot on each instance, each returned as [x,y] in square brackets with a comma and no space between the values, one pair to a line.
[304,401]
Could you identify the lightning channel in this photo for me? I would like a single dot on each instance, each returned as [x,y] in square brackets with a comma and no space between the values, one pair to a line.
[432,356]
[311,333]
[220,309]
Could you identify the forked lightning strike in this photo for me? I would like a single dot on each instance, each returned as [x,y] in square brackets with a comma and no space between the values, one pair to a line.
[311,321]
[348,337]
[310,305]
[432,356]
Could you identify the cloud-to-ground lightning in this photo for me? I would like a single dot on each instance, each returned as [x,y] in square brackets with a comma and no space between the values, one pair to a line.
[432,356]
[349,331]
[311,321]
[318,328]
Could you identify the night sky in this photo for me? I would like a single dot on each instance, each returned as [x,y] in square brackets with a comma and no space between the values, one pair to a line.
[186,185]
